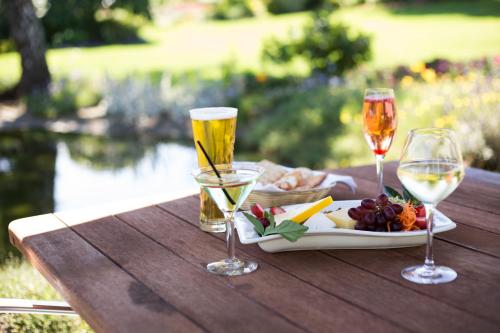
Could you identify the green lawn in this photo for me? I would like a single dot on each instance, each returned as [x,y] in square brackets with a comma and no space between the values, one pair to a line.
[403,35]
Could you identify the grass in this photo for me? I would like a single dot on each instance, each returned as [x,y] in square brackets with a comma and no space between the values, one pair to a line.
[457,30]
[19,280]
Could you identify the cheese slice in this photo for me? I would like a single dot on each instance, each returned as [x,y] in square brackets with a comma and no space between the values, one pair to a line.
[341,219]
[319,222]
[302,214]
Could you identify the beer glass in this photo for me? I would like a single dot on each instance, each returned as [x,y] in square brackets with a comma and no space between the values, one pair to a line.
[215,129]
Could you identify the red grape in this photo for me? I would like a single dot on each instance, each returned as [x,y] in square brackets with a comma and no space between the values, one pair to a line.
[380,219]
[396,226]
[389,213]
[398,209]
[369,219]
[368,204]
[382,199]
[353,213]
[359,226]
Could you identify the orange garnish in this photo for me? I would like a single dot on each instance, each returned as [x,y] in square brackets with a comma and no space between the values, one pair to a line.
[408,217]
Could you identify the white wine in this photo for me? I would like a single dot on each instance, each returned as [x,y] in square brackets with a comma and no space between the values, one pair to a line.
[231,189]
[431,181]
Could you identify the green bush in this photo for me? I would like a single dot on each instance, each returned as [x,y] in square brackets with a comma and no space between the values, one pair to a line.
[76,21]
[231,9]
[297,126]
[65,98]
[289,6]
[327,48]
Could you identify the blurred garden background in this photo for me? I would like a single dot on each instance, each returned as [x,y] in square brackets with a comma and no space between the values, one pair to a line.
[110,121]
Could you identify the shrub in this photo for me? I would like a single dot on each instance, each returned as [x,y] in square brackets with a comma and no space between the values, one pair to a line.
[77,21]
[287,6]
[65,98]
[297,126]
[328,48]
[231,9]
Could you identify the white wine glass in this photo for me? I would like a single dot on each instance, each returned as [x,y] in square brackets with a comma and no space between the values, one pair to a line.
[229,186]
[431,168]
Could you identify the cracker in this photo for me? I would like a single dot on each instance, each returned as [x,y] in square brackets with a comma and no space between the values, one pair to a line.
[272,172]
[313,181]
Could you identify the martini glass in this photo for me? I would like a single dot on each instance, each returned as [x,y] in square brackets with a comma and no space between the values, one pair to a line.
[229,185]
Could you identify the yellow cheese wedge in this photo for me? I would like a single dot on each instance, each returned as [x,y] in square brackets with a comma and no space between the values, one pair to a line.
[302,214]
[341,219]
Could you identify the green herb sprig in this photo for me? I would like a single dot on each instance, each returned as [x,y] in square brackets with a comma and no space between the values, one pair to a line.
[288,229]
[406,196]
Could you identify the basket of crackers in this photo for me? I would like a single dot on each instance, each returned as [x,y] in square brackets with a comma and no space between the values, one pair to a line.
[280,185]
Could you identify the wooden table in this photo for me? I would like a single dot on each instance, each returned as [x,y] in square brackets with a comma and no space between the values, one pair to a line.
[144,271]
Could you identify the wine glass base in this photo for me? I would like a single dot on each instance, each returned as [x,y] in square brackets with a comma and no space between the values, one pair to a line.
[232,267]
[424,275]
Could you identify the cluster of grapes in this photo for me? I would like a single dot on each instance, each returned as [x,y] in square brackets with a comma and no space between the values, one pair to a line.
[377,215]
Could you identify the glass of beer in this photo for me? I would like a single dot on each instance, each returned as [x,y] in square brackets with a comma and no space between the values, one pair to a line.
[215,128]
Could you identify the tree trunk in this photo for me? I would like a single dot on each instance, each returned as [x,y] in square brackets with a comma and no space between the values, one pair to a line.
[29,38]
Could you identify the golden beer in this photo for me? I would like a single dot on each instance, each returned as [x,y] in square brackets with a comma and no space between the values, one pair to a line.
[215,128]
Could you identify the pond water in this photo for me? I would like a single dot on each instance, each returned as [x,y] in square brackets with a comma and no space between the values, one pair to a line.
[42,172]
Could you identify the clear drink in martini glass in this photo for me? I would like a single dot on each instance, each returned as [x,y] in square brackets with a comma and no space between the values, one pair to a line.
[229,187]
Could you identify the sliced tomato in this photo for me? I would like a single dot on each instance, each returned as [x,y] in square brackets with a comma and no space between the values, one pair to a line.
[277,210]
[420,211]
[421,223]
[257,210]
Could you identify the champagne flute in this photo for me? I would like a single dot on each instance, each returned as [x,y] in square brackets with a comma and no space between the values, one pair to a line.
[379,125]
[229,185]
[430,168]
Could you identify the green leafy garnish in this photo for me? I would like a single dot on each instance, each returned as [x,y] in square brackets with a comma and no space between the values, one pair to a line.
[392,192]
[288,229]
[270,218]
[256,223]
[407,196]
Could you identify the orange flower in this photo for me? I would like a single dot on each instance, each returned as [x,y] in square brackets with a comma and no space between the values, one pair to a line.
[261,78]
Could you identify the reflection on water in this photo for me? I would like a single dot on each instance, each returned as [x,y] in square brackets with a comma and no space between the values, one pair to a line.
[42,172]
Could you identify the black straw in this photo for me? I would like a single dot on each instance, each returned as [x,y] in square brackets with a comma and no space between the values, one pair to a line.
[216,171]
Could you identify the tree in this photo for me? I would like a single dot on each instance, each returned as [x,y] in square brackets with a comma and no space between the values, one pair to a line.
[328,48]
[28,35]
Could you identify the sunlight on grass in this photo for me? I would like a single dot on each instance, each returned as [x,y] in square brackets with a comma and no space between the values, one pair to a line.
[401,36]
[18,279]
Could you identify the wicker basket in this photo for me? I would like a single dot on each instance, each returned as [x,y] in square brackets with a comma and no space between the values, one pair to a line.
[273,198]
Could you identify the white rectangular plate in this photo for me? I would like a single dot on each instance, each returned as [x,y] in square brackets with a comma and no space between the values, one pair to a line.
[336,238]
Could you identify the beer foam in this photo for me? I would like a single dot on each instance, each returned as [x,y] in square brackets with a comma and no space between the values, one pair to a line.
[217,113]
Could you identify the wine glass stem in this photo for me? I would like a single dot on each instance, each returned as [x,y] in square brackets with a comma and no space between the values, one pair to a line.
[429,256]
[380,172]
[229,216]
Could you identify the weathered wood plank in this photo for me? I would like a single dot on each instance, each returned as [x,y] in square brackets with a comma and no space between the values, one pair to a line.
[100,291]
[348,282]
[204,298]
[305,305]
[477,275]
